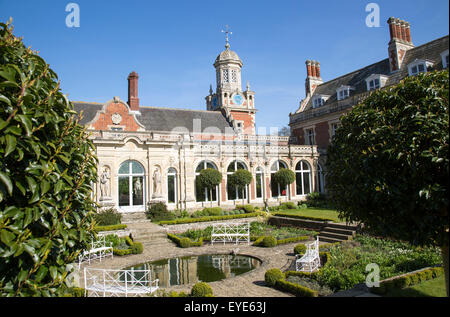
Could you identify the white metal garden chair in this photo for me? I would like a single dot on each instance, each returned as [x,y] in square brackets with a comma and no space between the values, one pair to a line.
[310,261]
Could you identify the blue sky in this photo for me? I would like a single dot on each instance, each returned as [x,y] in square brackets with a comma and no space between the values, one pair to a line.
[173,44]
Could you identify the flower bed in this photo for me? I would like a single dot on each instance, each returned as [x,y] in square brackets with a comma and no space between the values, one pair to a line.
[343,266]
[124,245]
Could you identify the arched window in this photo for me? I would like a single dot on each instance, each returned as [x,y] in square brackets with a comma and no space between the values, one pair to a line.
[259,182]
[277,191]
[320,179]
[303,178]
[172,192]
[232,191]
[131,184]
[204,195]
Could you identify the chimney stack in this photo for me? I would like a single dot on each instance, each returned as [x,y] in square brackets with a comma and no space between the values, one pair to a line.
[313,76]
[133,100]
[313,68]
[400,32]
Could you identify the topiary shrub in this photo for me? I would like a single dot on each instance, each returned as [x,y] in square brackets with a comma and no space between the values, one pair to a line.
[247,208]
[213,211]
[47,166]
[185,242]
[158,212]
[288,205]
[269,242]
[108,217]
[300,249]
[284,177]
[201,289]
[137,248]
[272,276]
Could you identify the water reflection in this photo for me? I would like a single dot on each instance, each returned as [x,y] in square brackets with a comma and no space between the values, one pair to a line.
[202,268]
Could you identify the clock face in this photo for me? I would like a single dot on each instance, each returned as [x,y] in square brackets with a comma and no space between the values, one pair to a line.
[214,101]
[238,100]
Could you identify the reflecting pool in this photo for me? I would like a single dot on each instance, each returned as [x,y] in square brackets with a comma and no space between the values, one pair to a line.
[201,268]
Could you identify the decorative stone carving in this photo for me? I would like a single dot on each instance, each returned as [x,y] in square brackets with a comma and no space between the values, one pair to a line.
[157,188]
[105,184]
[116,118]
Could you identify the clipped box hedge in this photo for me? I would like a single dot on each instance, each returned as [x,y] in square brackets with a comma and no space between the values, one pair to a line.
[134,248]
[185,242]
[209,218]
[260,241]
[297,290]
[407,280]
[110,228]
[286,215]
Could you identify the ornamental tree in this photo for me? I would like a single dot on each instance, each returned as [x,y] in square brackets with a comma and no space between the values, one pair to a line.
[47,167]
[240,179]
[209,178]
[388,164]
[284,177]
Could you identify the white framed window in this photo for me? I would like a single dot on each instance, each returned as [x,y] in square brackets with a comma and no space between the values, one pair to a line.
[172,193]
[303,178]
[333,127]
[309,136]
[376,81]
[374,84]
[131,185]
[419,66]
[259,183]
[343,92]
[320,181]
[317,102]
[445,61]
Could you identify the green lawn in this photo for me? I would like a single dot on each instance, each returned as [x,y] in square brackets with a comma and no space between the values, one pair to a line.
[430,288]
[315,213]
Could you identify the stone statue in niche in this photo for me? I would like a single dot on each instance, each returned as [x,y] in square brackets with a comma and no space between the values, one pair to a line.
[105,183]
[157,188]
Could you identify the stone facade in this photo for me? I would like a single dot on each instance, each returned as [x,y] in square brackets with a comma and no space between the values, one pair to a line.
[155,154]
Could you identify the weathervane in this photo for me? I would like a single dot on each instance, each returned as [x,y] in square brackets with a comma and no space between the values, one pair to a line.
[227,45]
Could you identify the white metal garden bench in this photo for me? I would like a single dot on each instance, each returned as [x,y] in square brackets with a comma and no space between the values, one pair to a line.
[99,249]
[118,283]
[310,261]
[231,232]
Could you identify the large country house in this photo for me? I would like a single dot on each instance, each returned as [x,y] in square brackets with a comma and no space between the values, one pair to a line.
[155,154]
[317,118]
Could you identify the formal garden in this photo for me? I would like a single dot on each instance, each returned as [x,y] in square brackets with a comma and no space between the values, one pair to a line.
[387,169]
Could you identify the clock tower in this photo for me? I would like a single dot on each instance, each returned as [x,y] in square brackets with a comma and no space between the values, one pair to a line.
[237,105]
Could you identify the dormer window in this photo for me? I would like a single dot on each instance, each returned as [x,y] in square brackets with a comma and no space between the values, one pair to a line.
[419,66]
[319,101]
[343,92]
[375,81]
[444,56]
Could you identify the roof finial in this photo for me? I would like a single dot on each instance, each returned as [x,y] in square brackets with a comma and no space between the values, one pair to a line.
[227,45]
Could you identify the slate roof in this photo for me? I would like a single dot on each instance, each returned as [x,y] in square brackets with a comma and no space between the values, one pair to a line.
[166,119]
[430,51]
[169,119]
[89,110]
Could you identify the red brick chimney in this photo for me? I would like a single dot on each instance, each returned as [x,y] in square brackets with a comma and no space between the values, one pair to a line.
[400,42]
[313,76]
[133,100]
